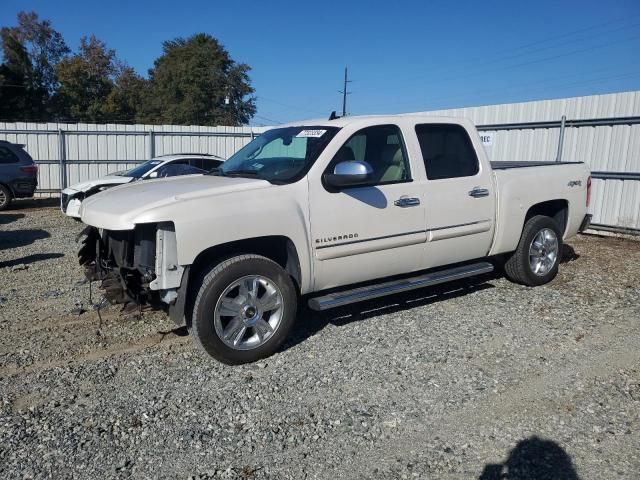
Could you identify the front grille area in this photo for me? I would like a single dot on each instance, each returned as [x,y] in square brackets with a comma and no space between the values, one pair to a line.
[65,201]
[123,261]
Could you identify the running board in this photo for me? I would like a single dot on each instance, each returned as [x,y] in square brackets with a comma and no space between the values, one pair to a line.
[346,297]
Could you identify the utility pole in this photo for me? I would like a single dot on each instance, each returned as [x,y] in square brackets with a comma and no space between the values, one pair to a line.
[344,93]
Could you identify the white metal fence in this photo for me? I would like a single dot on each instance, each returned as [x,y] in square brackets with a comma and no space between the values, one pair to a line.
[70,153]
[601,130]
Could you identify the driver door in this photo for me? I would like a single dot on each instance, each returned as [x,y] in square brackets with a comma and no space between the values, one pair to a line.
[370,231]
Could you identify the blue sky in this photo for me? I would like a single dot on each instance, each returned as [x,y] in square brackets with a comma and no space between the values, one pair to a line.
[402,56]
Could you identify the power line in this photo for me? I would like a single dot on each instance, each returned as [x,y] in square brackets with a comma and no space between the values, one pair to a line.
[437,74]
[292,107]
[270,120]
[531,62]
[525,88]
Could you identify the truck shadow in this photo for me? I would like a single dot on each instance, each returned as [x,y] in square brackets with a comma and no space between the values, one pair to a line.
[310,322]
[568,254]
[534,458]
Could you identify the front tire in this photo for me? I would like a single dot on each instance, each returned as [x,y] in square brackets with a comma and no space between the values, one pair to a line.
[5,197]
[536,259]
[244,309]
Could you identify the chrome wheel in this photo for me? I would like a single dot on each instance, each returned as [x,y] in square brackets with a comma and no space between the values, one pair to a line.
[248,312]
[543,252]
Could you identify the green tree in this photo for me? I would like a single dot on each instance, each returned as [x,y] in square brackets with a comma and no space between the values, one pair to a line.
[195,81]
[45,45]
[86,81]
[30,52]
[126,97]
[16,75]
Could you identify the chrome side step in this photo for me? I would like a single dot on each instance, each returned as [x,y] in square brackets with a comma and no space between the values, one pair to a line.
[360,294]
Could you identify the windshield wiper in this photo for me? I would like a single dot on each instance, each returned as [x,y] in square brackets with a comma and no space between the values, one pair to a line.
[237,173]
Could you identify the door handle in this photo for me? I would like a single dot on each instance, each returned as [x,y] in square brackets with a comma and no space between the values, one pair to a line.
[407,202]
[478,192]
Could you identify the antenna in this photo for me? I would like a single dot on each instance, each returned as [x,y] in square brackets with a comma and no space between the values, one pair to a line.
[344,93]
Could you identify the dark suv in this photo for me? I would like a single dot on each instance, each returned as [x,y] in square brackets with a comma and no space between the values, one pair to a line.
[18,173]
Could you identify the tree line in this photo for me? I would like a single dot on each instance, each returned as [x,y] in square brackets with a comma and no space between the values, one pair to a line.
[193,82]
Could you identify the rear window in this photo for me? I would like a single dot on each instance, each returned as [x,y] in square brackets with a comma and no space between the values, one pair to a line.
[7,156]
[447,151]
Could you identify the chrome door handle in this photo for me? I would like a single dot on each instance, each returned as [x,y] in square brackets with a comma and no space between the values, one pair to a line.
[479,192]
[407,202]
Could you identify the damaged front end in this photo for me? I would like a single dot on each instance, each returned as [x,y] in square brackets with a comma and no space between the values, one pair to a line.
[138,266]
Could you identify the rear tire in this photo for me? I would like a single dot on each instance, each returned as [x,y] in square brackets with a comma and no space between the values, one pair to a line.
[5,197]
[536,259]
[244,309]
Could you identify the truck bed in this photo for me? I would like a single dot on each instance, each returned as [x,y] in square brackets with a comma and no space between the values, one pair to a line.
[507,165]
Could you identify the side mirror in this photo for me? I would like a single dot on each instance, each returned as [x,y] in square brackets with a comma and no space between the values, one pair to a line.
[153,174]
[349,174]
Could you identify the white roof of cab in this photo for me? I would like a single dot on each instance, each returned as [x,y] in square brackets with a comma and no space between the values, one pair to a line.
[177,156]
[374,119]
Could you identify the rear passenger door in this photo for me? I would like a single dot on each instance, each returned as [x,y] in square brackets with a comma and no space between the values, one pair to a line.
[459,195]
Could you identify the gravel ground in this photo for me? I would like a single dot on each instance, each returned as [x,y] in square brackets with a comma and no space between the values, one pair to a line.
[478,379]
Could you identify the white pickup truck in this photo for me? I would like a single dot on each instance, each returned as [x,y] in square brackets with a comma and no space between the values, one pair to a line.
[325,212]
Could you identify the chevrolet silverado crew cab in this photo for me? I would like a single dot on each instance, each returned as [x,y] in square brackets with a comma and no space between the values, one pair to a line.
[327,212]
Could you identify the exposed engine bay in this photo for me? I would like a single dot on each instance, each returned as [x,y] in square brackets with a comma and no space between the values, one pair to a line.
[133,266]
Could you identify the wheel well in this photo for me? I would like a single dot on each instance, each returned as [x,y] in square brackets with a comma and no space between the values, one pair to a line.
[280,249]
[556,209]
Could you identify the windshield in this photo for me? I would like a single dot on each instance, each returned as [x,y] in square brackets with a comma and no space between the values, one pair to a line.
[140,170]
[281,155]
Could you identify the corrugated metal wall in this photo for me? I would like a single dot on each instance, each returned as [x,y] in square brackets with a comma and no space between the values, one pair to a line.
[93,150]
[606,148]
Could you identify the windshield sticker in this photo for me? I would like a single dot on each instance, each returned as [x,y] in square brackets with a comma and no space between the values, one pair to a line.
[257,166]
[311,133]
[155,162]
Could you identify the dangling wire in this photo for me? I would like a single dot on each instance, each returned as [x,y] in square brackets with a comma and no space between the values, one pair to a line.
[96,306]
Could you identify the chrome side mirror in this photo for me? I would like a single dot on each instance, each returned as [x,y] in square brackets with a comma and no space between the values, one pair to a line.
[349,174]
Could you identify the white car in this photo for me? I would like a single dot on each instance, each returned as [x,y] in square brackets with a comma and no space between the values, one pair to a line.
[164,166]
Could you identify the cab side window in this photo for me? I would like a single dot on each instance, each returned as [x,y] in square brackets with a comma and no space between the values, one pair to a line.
[178,169]
[196,162]
[381,147]
[447,151]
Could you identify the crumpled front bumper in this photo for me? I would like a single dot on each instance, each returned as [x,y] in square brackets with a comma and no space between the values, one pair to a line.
[70,202]
[134,266]
[123,261]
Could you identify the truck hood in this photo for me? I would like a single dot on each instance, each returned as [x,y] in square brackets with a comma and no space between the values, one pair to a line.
[122,207]
[90,184]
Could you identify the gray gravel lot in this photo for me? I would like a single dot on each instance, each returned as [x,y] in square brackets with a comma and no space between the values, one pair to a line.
[472,380]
